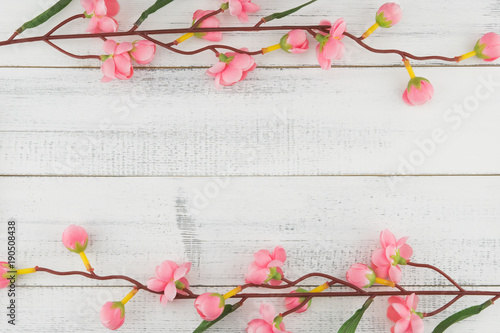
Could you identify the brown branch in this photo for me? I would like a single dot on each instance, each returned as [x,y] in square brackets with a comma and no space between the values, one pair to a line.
[439,271]
[444,307]
[203,18]
[298,307]
[69,54]
[63,23]
[256,28]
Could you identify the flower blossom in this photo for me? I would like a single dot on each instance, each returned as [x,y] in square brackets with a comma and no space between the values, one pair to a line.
[75,239]
[170,278]
[112,315]
[240,8]
[211,22]
[101,13]
[386,261]
[402,312]
[330,45]
[232,67]
[210,306]
[488,47]
[270,322]
[266,267]
[295,42]
[117,63]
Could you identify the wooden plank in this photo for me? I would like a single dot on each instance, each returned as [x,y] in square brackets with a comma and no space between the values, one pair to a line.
[278,122]
[325,223]
[428,27]
[79,306]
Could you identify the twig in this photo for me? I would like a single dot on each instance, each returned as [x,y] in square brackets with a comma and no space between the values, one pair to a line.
[439,271]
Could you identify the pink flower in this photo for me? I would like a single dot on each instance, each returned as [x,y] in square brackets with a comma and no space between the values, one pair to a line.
[4,274]
[143,52]
[418,92]
[488,47]
[232,67]
[211,22]
[270,322]
[75,238]
[267,267]
[386,261]
[293,302]
[330,45]
[113,315]
[170,278]
[210,306]
[361,276]
[101,14]
[240,8]
[388,15]
[117,63]
[402,312]
[295,42]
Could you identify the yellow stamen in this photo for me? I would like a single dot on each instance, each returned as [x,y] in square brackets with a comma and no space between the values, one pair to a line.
[129,296]
[232,292]
[321,288]
[467,55]
[271,48]
[184,38]
[385,282]
[370,31]
[86,261]
[26,271]
[409,68]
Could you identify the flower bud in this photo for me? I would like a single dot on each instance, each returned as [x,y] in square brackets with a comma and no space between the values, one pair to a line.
[488,47]
[143,52]
[295,42]
[113,315]
[4,274]
[210,306]
[75,238]
[388,15]
[293,302]
[418,92]
[361,276]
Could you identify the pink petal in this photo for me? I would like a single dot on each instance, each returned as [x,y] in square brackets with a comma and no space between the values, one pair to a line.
[417,324]
[156,285]
[275,263]
[402,325]
[106,79]
[401,309]
[170,291]
[113,7]
[395,273]
[213,36]
[251,7]
[323,62]
[267,312]
[379,258]
[405,98]
[235,7]
[180,273]
[108,68]
[124,47]
[257,276]
[392,314]
[217,68]
[406,251]
[262,258]
[88,5]
[100,8]
[110,46]
[279,254]
[166,270]
[107,24]
[93,26]
[243,17]
[412,301]
[387,238]
[123,64]
[338,28]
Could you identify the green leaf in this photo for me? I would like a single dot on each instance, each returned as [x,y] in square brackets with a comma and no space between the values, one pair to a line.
[205,325]
[287,12]
[159,4]
[352,323]
[45,16]
[464,314]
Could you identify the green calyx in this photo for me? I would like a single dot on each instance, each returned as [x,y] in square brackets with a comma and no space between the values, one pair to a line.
[106,57]
[273,275]
[420,314]
[382,21]
[277,321]
[417,83]
[398,260]
[222,302]
[87,15]
[224,6]
[479,48]
[322,40]
[225,58]
[179,285]
[371,277]
[302,299]
[79,247]
[284,45]
[119,305]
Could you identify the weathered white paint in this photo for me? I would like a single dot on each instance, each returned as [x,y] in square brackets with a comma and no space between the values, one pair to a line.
[170,127]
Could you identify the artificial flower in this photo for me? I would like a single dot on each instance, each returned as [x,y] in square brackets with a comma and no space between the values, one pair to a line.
[361,276]
[170,278]
[266,268]
[232,67]
[402,312]
[101,13]
[240,8]
[488,47]
[75,239]
[388,15]
[295,41]
[210,306]
[143,52]
[270,322]
[330,45]
[418,92]
[293,302]
[113,315]
[4,274]
[117,63]
[211,22]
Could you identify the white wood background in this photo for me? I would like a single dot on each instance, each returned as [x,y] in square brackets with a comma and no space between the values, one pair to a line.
[318,162]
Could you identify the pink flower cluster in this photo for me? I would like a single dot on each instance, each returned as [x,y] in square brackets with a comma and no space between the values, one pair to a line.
[101,13]
[386,262]
[117,63]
